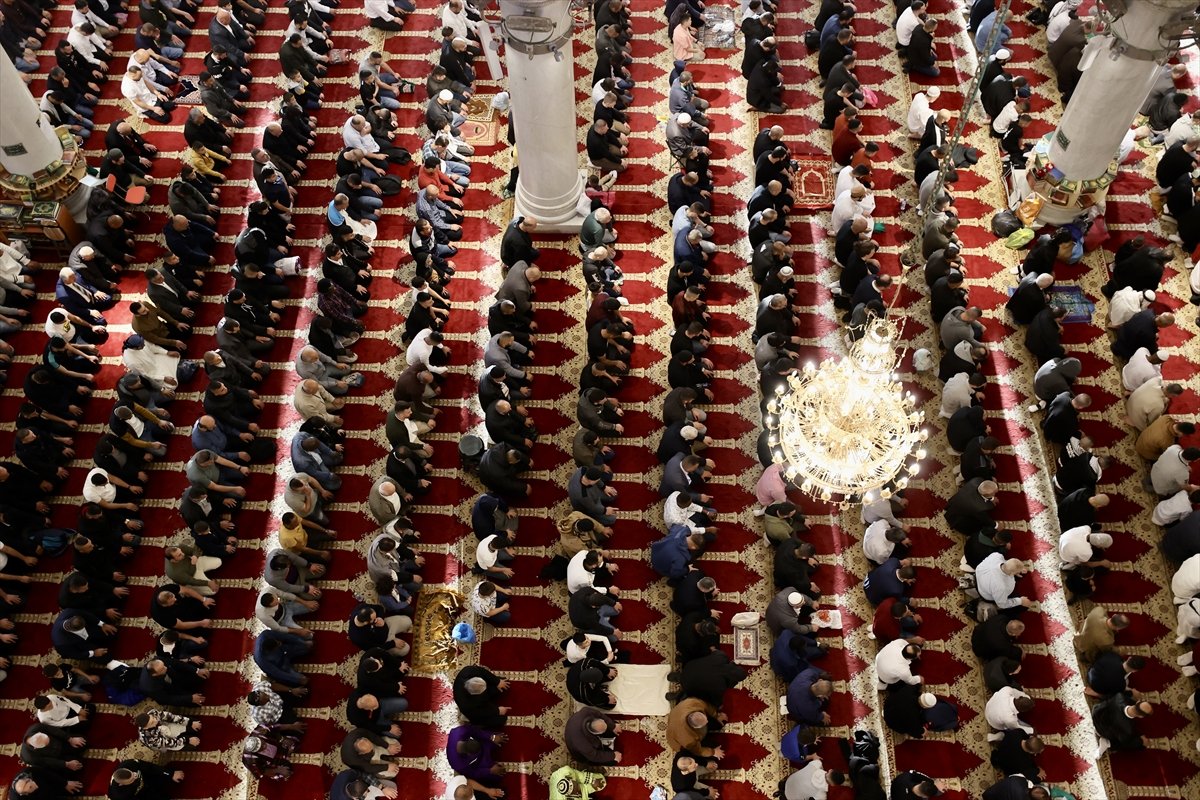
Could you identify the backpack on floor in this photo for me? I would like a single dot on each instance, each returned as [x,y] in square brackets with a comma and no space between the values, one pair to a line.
[812,40]
[1005,223]
[865,746]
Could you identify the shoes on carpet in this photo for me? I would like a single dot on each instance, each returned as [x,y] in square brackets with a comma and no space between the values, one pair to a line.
[1184,660]
[506,193]
[1189,672]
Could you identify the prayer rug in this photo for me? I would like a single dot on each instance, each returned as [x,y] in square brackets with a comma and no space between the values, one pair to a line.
[1079,308]
[747,643]
[641,690]
[814,182]
[482,126]
[433,647]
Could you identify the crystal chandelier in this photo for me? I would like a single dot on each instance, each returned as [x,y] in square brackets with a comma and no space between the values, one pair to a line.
[848,427]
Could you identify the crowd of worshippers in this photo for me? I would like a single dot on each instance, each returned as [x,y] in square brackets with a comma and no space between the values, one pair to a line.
[1177,174]
[1136,321]
[226,437]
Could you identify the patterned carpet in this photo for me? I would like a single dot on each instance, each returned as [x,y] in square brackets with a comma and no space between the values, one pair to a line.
[527,652]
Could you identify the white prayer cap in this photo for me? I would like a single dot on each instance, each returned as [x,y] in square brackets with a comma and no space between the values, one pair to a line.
[86,252]
[1101,540]
[786,272]
[688,432]
[501,101]
[1003,54]
[684,118]
[795,600]
[927,700]
[1149,295]
[933,93]
[923,360]
[445,95]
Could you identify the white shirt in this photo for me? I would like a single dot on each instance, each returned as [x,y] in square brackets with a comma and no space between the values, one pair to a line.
[1139,370]
[875,545]
[1001,711]
[483,606]
[1074,548]
[994,584]
[956,394]
[807,783]
[460,23]
[905,26]
[674,515]
[452,785]
[98,494]
[578,577]
[1182,130]
[354,138]
[598,92]
[1124,304]
[845,181]
[876,508]
[1173,509]
[66,330]
[846,208]
[485,557]
[12,261]
[919,113]
[78,18]
[86,45]
[1059,20]
[419,351]
[1005,119]
[62,713]
[150,72]
[133,90]
[1170,473]
[1185,584]
[892,667]
[576,653]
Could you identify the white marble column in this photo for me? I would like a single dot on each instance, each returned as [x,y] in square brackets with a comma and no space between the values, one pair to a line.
[541,82]
[23,127]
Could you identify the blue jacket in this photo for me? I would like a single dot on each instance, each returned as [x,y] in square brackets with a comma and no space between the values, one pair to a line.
[669,556]
[882,583]
[801,705]
[786,662]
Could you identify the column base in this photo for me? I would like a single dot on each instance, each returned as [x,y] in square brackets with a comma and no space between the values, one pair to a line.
[556,215]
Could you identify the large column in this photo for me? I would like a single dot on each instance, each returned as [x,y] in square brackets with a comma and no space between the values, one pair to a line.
[541,82]
[1119,68]
[28,143]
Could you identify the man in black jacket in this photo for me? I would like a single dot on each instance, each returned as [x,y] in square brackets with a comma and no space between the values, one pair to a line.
[517,243]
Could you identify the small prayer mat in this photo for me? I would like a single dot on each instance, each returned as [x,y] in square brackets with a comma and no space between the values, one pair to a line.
[641,690]
[747,644]
[1072,298]
[814,182]
[482,126]
[433,647]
